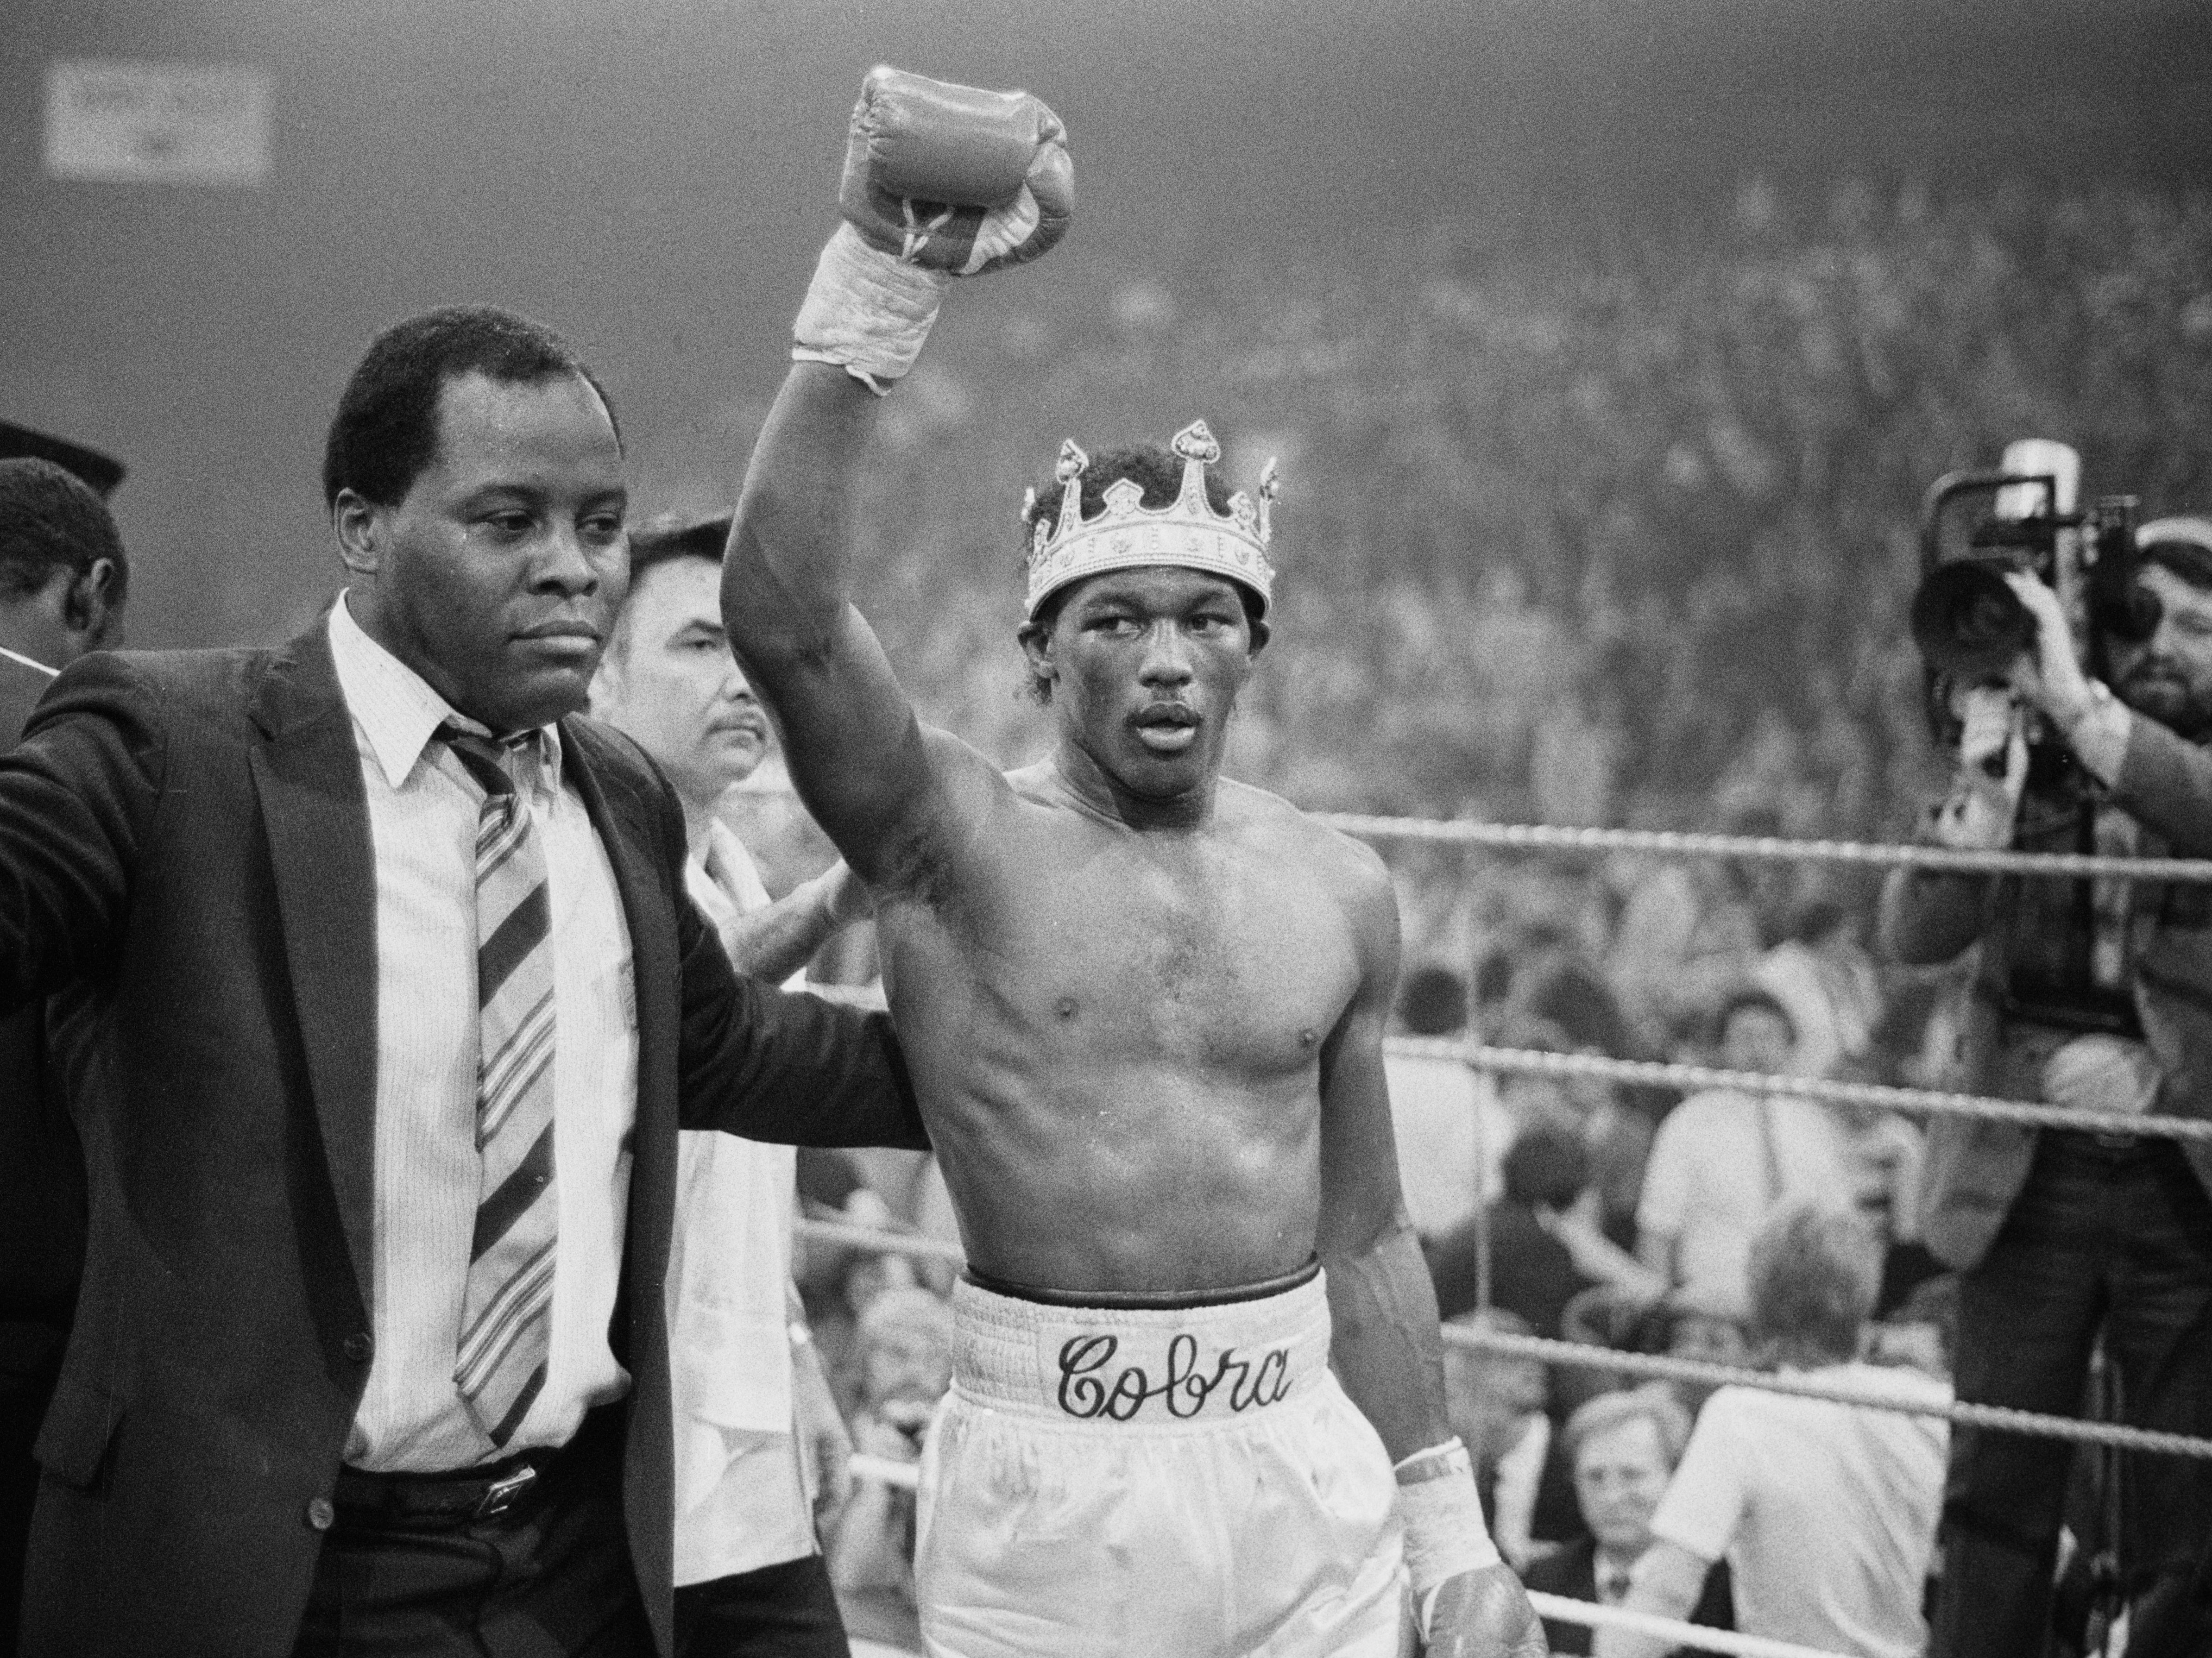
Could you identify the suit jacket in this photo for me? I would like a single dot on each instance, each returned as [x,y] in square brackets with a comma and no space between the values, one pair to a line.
[187,833]
[1571,1573]
[41,1172]
[1974,1169]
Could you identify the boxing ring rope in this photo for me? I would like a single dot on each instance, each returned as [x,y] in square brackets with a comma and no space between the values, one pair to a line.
[1768,849]
[1999,1418]
[906,1477]
[1876,1095]
[1661,1367]
[1870,1096]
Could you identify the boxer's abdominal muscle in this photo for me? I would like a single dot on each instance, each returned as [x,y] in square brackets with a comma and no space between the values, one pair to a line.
[1116,1036]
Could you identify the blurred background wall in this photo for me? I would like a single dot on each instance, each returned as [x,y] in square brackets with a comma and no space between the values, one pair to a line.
[1608,343]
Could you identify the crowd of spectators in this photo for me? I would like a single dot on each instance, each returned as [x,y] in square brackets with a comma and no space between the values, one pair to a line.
[1628,1219]
[1594,526]
[1734,1225]
[1590,531]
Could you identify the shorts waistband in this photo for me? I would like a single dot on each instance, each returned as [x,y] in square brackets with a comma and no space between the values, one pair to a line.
[1139,1367]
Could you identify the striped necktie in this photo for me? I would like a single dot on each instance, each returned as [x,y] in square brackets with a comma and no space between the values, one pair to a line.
[507,1315]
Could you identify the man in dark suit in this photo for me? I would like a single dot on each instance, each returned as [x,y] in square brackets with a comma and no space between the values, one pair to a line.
[398,1003]
[1622,1447]
[2079,996]
[63,575]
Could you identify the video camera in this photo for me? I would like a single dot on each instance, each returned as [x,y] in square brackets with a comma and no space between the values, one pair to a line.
[1977,527]
[2068,970]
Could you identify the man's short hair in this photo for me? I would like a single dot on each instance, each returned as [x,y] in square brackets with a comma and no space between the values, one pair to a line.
[664,539]
[1432,1002]
[1574,997]
[51,520]
[1545,1167]
[1813,1276]
[1652,1403]
[385,430]
[661,540]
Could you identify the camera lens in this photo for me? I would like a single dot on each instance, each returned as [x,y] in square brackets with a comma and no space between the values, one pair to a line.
[1968,624]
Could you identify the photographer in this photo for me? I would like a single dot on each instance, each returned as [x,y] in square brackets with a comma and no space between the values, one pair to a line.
[2060,1235]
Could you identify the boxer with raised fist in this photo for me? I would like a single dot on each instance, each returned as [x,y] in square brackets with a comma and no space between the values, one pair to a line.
[1143,1006]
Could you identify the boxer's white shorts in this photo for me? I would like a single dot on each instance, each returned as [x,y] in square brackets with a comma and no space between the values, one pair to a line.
[1187,1484]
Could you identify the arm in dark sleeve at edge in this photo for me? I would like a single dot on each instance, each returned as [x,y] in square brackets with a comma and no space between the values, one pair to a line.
[786,1067]
[76,800]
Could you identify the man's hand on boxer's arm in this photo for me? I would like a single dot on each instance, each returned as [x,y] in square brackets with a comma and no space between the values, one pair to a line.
[941,181]
[1466,1602]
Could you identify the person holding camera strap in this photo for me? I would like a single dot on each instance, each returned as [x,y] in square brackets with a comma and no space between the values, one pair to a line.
[2061,1236]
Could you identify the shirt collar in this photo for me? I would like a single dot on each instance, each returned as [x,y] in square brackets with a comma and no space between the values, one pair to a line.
[395,707]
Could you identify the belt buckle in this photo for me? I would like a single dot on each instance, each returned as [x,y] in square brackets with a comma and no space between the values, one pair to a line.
[501,1494]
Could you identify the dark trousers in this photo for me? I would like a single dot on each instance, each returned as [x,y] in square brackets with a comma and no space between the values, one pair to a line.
[2116,1238]
[786,1609]
[23,1407]
[548,1578]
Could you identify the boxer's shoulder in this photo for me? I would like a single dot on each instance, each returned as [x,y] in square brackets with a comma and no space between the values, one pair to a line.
[1271,827]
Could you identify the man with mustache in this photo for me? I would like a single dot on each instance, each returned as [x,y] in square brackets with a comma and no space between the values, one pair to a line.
[752,1405]
[2062,1235]
[1143,1005]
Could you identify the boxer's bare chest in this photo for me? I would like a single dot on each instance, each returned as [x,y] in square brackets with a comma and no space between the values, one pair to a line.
[1219,951]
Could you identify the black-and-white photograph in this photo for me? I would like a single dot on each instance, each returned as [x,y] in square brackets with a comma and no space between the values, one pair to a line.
[1006,828]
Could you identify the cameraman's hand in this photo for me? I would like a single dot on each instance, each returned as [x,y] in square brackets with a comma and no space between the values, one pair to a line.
[2050,676]
[1985,798]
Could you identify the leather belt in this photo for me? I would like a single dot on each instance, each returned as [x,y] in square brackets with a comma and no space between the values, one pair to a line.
[510,1486]
[456,1498]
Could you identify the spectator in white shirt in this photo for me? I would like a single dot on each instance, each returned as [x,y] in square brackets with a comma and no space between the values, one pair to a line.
[1826,1511]
[1724,1160]
[758,1434]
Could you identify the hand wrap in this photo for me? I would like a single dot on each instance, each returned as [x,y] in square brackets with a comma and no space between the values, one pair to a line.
[941,181]
[1442,1516]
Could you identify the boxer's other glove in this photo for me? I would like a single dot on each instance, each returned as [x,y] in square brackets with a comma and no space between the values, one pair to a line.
[1442,1518]
[939,181]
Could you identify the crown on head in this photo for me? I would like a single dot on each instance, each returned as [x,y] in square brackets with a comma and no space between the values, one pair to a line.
[1189,533]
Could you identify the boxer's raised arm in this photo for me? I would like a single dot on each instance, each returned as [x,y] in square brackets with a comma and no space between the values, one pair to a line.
[941,181]
[855,750]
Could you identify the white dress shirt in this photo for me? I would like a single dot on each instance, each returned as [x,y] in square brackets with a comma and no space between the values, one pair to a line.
[423,813]
[742,1501]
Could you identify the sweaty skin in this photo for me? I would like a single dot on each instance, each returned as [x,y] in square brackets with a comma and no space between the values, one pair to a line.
[1123,1031]
[1143,1007]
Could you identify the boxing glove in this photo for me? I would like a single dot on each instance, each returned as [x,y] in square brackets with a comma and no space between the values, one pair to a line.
[940,180]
